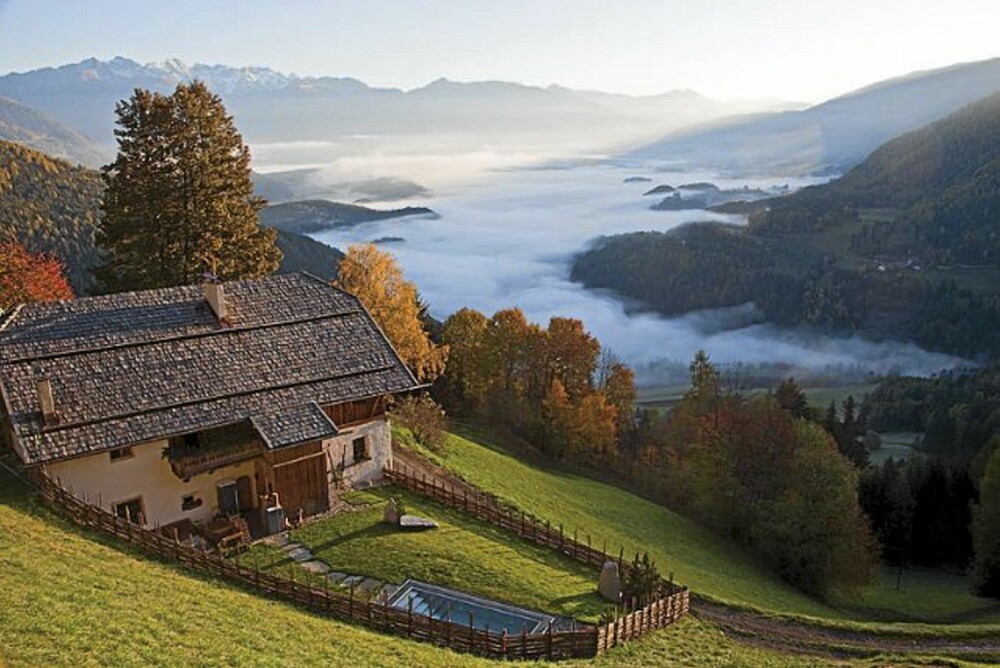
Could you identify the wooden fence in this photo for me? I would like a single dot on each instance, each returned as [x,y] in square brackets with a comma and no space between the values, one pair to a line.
[549,644]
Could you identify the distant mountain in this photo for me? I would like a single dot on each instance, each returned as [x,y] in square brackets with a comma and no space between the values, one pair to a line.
[832,136]
[311,216]
[38,130]
[906,245]
[53,207]
[272,107]
[302,184]
[300,253]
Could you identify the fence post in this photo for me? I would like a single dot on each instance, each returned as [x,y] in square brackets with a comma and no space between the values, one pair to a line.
[548,641]
[524,642]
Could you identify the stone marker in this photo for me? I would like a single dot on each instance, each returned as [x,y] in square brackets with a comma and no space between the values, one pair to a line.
[610,584]
[391,514]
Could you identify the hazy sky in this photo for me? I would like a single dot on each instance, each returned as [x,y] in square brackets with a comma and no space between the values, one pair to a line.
[805,50]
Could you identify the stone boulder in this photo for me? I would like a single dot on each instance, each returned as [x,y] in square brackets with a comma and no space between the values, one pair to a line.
[610,584]
[391,514]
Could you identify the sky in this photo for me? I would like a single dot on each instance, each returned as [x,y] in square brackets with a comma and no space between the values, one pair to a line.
[805,50]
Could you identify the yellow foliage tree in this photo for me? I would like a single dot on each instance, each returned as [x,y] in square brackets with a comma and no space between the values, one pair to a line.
[375,278]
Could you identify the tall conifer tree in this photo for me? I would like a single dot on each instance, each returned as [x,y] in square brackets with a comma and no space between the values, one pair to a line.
[178,198]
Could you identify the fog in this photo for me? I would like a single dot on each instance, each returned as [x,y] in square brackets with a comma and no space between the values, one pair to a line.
[506,237]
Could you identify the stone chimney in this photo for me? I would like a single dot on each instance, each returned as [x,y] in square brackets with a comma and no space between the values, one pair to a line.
[46,401]
[215,295]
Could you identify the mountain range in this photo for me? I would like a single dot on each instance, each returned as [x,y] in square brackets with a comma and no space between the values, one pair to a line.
[269,106]
[833,136]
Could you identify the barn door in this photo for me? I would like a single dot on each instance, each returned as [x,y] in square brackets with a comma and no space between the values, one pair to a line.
[302,485]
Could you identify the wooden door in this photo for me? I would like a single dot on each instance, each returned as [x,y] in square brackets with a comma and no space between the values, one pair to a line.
[300,480]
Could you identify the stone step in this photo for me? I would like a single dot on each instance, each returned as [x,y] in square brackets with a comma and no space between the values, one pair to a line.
[316,566]
[300,554]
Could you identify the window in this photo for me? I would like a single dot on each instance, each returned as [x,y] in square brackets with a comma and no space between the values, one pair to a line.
[360,446]
[131,510]
[121,453]
[190,502]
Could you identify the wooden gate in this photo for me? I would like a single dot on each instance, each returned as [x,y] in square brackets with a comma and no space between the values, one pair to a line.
[299,477]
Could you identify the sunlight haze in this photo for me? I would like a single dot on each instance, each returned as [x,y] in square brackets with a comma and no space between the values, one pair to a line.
[729,49]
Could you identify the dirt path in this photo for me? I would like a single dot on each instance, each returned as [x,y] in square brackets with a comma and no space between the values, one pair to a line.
[776,633]
[794,636]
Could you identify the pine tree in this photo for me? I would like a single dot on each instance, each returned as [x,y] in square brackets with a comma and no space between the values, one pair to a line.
[986,531]
[178,198]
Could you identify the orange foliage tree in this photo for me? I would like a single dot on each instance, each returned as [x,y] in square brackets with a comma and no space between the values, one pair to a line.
[28,277]
[375,278]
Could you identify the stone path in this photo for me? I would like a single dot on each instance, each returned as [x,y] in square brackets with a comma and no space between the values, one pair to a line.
[303,556]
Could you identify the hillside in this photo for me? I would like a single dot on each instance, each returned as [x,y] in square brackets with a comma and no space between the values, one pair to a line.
[939,187]
[904,246]
[121,609]
[53,207]
[44,133]
[309,216]
[300,253]
[835,135]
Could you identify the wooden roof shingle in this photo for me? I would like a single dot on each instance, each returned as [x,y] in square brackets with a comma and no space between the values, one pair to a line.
[141,366]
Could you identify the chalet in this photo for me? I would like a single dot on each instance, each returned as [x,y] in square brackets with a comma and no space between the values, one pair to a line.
[184,405]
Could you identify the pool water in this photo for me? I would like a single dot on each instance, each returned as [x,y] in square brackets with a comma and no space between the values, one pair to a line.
[441,603]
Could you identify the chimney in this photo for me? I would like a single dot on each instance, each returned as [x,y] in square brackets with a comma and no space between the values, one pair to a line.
[46,401]
[216,298]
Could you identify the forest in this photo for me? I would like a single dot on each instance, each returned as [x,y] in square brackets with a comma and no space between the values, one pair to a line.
[900,247]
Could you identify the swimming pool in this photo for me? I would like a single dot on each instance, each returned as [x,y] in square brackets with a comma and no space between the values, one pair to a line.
[442,603]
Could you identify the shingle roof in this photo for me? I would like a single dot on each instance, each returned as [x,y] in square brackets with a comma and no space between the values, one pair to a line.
[139,366]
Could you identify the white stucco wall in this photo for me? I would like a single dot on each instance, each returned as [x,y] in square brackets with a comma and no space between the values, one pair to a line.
[341,450]
[148,475]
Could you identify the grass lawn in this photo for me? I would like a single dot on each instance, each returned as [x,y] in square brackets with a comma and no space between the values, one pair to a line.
[708,563]
[70,598]
[924,595]
[462,553]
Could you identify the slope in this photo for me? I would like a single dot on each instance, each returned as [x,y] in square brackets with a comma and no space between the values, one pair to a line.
[71,598]
[836,134]
[37,130]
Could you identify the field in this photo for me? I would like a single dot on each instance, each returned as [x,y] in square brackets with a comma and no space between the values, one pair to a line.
[71,598]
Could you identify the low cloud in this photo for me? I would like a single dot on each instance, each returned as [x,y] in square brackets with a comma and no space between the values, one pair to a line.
[507,239]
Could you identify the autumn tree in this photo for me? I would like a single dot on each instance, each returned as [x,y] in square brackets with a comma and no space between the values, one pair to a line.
[463,389]
[572,355]
[375,278]
[618,388]
[178,199]
[27,277]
